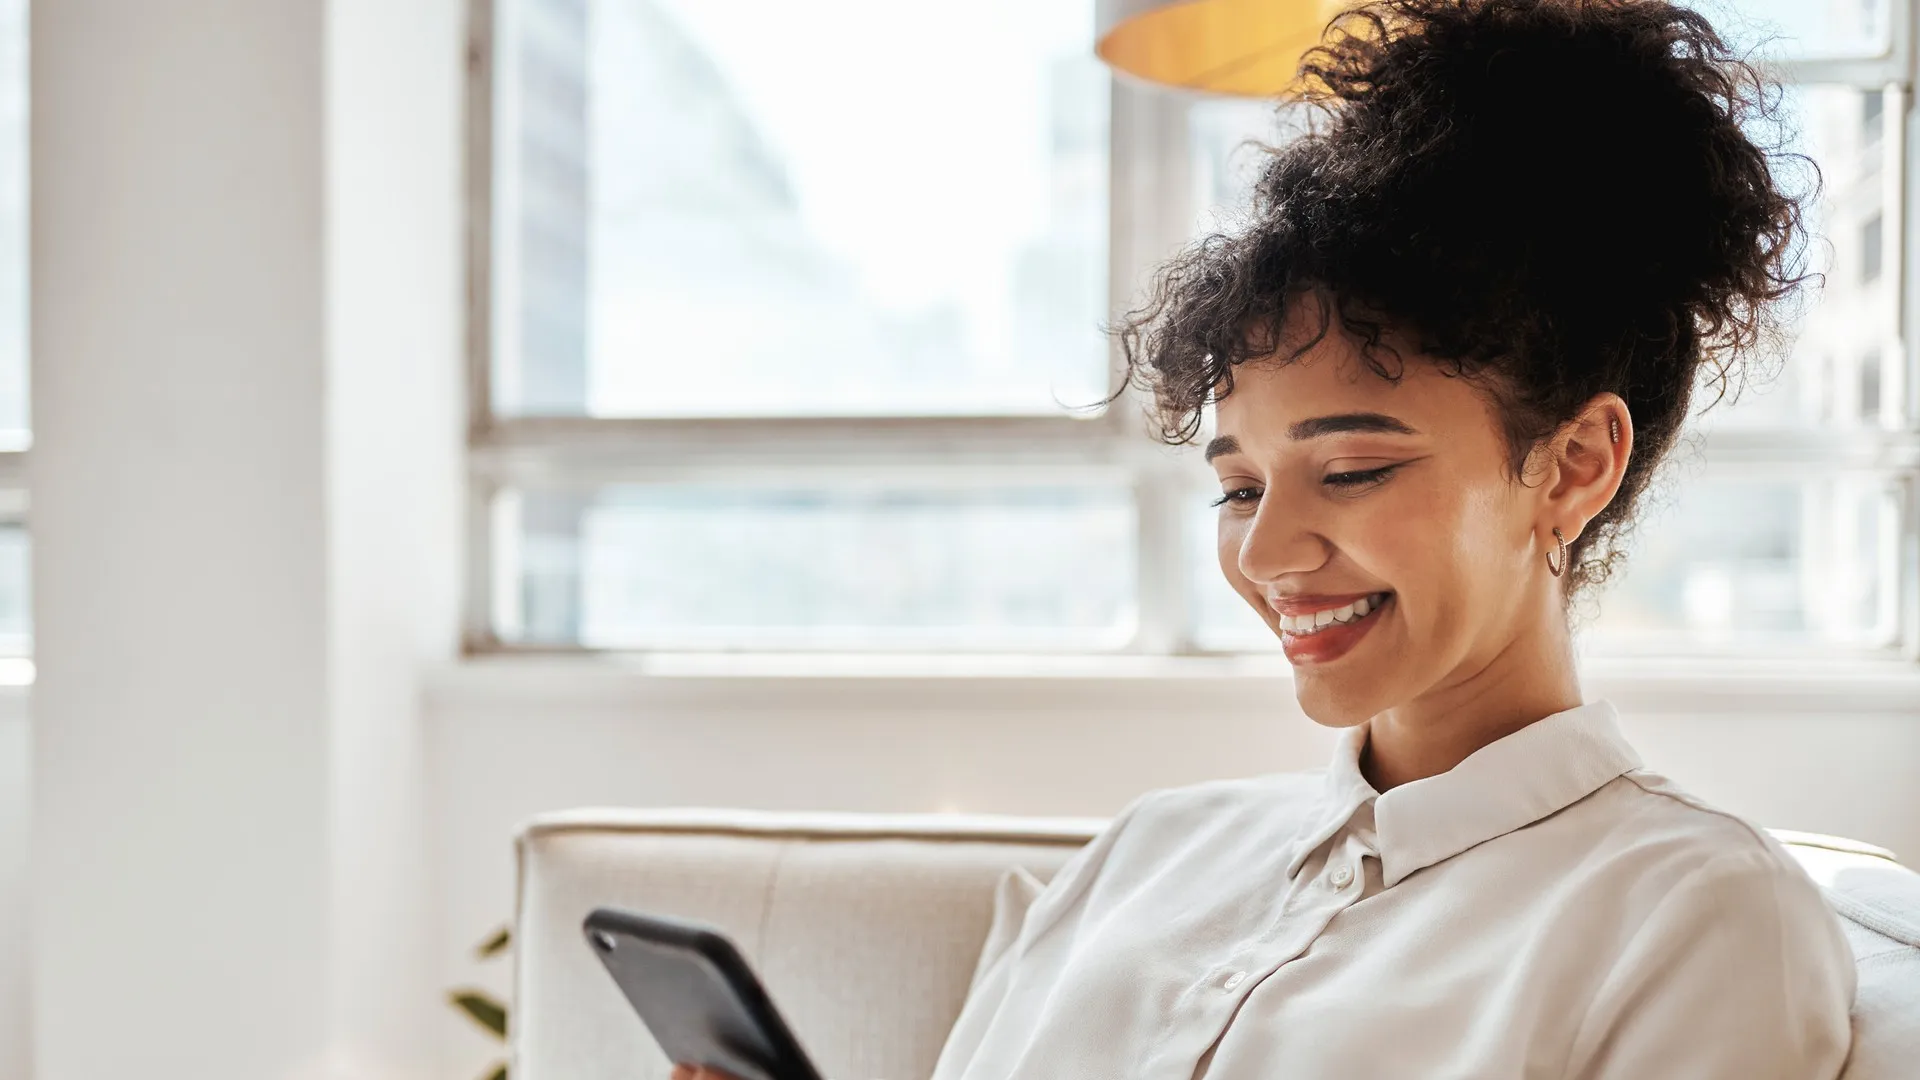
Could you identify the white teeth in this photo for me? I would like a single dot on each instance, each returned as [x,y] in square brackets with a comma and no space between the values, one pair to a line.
[1320,620]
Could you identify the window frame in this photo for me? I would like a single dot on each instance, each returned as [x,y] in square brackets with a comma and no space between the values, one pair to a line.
[1150,213]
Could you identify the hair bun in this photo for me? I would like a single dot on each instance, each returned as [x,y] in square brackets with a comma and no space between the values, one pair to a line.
[1582,145]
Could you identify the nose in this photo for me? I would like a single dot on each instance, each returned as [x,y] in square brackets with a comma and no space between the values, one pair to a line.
[1276,541]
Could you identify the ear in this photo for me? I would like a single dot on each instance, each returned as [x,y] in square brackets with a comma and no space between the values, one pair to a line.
[1586,464]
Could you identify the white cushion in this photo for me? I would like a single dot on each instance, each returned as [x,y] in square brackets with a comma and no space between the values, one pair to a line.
[866,929]
[1879,906]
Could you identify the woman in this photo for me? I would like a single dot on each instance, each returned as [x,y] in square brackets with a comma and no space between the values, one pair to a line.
[1458,335]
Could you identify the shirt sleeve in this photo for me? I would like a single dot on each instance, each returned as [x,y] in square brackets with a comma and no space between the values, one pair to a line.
[1741,971]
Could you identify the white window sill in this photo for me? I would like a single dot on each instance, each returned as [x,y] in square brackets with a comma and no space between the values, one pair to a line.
[1186,686]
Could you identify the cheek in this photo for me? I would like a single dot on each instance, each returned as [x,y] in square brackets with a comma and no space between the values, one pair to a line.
[1477,552]
[1437,542]
[1395,536]
[1490,530]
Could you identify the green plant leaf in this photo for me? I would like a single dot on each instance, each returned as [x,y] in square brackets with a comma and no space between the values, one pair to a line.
[495,945]
[484,1011]
[499,1072]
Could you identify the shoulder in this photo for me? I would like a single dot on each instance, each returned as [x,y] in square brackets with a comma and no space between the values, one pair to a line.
[1662,799]
[1663,821]
[1738,921]
[1679,863]
[1714,952]
[1214,820]
[1209,830]
[1643,854]
[1164,819]
[1272,799]
[1732,966]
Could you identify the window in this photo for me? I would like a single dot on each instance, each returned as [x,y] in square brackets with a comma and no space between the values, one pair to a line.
[777,361]
[801,347]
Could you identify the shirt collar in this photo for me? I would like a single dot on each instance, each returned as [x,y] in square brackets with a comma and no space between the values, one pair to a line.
[1513,782]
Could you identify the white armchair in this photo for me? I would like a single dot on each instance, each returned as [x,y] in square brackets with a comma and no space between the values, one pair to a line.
[867,928]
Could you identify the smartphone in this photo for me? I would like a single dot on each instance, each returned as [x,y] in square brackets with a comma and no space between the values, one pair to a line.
[696,994]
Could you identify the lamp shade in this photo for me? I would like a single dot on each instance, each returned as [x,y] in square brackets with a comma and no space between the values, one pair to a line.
[1249,48]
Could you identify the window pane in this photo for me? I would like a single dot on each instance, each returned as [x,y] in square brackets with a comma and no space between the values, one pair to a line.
[816,565]
[1800,29]
[1738,562]
[13,224]
[754,207]
[1846,321]
[1226,139]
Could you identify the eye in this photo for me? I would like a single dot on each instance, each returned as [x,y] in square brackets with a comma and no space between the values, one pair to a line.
[1239,497]
[1350,481]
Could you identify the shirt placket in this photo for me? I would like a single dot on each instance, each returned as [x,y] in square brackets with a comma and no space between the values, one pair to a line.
[1330,880]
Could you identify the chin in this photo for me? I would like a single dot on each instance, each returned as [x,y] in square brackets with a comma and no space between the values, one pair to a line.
[1337,701]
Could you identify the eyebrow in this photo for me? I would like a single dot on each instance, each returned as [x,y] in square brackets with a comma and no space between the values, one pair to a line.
[1323,425]
[1225,444]
[1344,422]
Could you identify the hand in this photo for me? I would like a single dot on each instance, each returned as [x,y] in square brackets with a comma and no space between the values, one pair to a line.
[695,1072]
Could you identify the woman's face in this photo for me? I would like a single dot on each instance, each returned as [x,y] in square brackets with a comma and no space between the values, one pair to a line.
[1382,515]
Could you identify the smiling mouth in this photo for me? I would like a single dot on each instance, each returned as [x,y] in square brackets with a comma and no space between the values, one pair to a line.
[1315,622]
[1320,637]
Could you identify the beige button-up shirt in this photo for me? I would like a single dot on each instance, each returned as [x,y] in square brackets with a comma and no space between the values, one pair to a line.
[1547,908]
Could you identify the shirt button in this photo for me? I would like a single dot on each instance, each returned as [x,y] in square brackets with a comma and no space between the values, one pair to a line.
[1234,980]
[1341,877]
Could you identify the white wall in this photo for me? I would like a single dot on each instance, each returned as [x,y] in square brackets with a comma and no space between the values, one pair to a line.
[511,740]
[16,751]
[246,323]
[396,420]
[179,820]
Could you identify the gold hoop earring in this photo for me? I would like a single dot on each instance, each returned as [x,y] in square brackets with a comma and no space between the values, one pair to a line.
[1613,427]
[1562,541]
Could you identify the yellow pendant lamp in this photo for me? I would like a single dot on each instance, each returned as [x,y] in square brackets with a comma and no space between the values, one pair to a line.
[1247,48]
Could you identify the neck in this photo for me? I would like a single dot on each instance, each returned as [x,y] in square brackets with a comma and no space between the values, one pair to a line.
[1530,678]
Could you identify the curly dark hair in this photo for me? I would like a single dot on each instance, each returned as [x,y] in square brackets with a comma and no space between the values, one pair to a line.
[1551,198]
